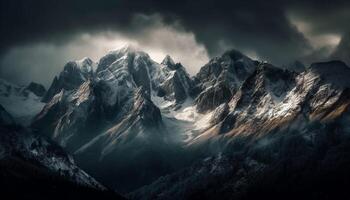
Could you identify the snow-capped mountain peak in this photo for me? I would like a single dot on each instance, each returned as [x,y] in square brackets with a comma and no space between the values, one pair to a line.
[135,110]
[168,61]
[23,103]
[74,73]
[335,72]
[18,143]
[86,65]
[218,80]
[110,112]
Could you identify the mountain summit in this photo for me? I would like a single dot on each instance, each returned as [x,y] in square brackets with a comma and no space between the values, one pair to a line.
[168,61]
[152,131]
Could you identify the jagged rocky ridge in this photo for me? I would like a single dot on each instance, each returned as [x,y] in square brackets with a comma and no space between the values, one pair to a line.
[218,80]
[282,135]
[272,99]
[133,112]
[72,76]
[22,102]
[112,112]
[38,89]
[32,166]
[178,85]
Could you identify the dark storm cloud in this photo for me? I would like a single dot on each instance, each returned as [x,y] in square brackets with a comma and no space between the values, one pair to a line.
[342,50]
[327,22]
[325,15]
[260,27]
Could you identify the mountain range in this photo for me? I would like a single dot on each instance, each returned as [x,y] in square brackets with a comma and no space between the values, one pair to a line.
[238,129]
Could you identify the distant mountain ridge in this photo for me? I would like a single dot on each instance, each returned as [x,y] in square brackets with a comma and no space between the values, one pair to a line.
[22,102]
[28,162]
[132,122]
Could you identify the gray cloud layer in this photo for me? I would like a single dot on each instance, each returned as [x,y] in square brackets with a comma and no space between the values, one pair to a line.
[41,61]
[277,31]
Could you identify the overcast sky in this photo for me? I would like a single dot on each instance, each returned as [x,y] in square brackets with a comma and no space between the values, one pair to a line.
[39,37]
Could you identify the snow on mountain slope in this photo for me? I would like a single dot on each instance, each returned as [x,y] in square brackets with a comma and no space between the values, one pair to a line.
[112,114]
[178,85]
[132,64]
[86,65]
[132,113]
[279,128]
[219,80]
[17,141]
[143,121]
[72,76]
[38,89]
[71,118]
[274,99]
[183,122]
[106,99]
[168,61]
[20,102]
[265,168]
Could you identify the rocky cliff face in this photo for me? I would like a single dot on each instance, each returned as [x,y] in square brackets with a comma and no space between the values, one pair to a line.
[72,76]
[120,93]
[178,85]
[38,89]
[219,80]
[112,112]
[278,129]
[272,99]
[235,119]
[26,158]
[22,102]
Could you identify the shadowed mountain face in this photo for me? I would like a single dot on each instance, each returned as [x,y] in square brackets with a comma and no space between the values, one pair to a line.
[282,135]
[221,78]
[72,76]
[238,129]
[112,115]
[34,167]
